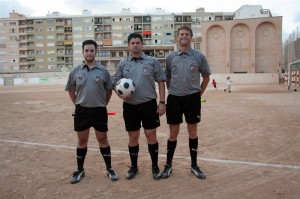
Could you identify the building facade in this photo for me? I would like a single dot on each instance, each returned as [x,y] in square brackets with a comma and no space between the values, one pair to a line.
[243,45]
[53,42]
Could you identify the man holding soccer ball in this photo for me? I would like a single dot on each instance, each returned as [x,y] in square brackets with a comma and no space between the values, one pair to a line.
[141,108]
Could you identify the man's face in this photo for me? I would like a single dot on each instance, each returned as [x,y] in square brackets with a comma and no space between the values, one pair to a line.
[184,37]
[135,46]
[89,52]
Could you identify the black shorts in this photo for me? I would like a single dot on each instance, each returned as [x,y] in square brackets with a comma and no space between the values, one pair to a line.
[85,118]
[145,114]
[189,106]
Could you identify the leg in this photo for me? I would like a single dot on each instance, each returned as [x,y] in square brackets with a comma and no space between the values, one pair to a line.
[193,142]
[152,145]
[193,146]
[83,137]
[106,154]
[133,147]
[171,146]
[81,152]
[153,151]
[104,147]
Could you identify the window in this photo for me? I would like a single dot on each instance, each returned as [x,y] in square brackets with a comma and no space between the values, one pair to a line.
[91,36]
[39,45]
[12,45]
[88,20]
[77,44]
[50,52]
[39,22]
[77,36]
[77,20]
[50,44]
[50,21]
[2,53]
[156,19]
[50,66]
[157,34]
[87,28]
[117,34]
[128,19]
[50,28]
[50,36]
[39,52]
[39,37]
[12,23]
[117,27]
[127,27]
[77,28]
[104,53]
[117,42]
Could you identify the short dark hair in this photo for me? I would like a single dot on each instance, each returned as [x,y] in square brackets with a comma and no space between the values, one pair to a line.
[135,35]
[87,42]
[185,27]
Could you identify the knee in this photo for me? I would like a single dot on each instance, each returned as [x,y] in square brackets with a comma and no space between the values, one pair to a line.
[82,143]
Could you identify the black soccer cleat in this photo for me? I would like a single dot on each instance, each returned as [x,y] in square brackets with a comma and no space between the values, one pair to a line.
[198,173]
[132,172]
[156,173]
[112,174]
[77,175]
[167,171]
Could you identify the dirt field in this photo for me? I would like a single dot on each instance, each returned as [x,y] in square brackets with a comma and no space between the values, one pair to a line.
[249,148]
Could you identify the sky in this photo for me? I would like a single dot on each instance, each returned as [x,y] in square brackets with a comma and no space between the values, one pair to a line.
[288,9]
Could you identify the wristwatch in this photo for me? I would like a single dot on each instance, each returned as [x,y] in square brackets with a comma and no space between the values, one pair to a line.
[162,102]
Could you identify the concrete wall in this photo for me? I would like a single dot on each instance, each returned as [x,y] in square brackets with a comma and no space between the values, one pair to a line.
[61,78]
[247,79]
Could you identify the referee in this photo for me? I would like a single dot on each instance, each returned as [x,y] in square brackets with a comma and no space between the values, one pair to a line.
[90,88]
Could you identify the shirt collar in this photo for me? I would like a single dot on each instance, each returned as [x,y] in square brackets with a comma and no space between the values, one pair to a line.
[83,65]
[189,52]
[143,56]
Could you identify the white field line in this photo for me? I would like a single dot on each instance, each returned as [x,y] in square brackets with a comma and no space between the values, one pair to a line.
[163,155]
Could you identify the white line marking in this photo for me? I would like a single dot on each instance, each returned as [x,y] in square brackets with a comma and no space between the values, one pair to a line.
[282,166]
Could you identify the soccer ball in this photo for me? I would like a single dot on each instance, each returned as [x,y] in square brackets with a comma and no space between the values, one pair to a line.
[125,87]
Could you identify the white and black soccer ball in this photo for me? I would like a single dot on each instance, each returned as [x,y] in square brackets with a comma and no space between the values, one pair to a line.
[125,87]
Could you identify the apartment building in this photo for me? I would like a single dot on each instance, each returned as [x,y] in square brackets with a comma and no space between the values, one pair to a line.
[53,42]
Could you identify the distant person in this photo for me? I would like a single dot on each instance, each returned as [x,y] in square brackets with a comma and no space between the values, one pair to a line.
[142,108]
[214,83]
[184,68]
[228,83]
[90,88]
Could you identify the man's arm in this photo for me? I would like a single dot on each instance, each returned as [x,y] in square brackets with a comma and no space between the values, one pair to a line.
[108,95]
[161,90]
[72,95]
[161,108]
[204,82]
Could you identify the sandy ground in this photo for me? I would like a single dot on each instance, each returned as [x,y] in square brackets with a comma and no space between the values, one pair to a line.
[249,148]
